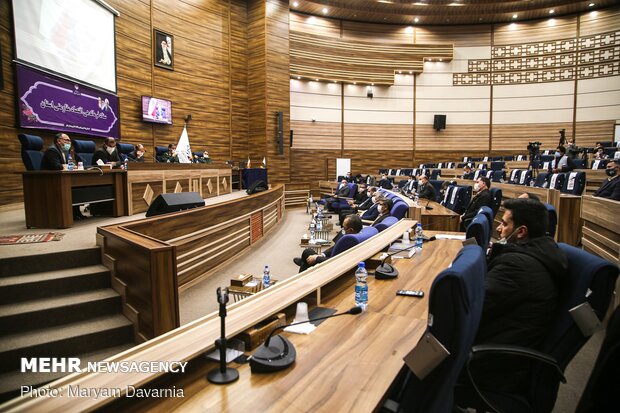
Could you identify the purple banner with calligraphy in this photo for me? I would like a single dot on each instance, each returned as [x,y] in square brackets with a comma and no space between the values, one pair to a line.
[48,102]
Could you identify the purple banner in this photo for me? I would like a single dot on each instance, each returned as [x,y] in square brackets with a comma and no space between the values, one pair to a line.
[48,102]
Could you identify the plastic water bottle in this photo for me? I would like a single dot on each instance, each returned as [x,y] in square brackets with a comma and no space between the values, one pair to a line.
[416,199]
[361,286]
[319,225]
[70,164]
[418,236]
[126,165]
[266,277]
[312,232]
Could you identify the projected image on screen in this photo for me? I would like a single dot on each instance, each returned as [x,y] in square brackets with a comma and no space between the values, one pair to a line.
[156,110]
[73,38]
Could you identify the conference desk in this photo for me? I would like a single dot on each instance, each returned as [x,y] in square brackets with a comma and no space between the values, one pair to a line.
[49,195]
[435,216]
[347,364]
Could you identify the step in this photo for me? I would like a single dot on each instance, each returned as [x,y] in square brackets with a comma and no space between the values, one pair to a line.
[62,341]
[57,310]
[10,383]
[51,283]
[49,262]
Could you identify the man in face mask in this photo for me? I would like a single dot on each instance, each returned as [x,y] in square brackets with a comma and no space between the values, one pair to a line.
[385,182]
[483,198]
[361,202]
[57,154]
[108,153]
[526,270]
[425,189]
[373,212]
[384,207]
[610,188]
[562,162]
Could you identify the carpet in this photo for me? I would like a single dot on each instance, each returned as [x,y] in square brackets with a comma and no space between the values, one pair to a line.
[30,238]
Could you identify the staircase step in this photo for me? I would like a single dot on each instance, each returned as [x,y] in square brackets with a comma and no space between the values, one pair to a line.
[10,383]
[62,341]
[51,283]
[57,310]
[49,262]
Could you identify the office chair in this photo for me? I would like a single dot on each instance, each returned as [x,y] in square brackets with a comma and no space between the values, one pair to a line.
[553,220]
[85,150]
[350,240]
[31,151]
[488,213]
[479,229]
[386,223]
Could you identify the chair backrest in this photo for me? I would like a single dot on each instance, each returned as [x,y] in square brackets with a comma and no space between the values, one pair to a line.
[85,150]
[497,199]
[479,229]
[498,176]
[509,158]
[556,181]
[579,163]
[159,152]
[541,180]
[564,339]
[463,198]
[553,219]
[31,151]
[124,149]
[574,183]
[455,305]
[436,174]
[399,209]
[515,175]
[498,165]
[351,240]
[352,190]
[599,164]
[547,158]
[478,173]
[386,223]
[488,213]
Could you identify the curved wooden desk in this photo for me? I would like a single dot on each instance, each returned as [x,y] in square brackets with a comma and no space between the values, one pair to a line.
[348,363]
[151,259]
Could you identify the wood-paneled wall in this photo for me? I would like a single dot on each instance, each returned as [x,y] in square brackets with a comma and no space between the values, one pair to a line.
[209,80]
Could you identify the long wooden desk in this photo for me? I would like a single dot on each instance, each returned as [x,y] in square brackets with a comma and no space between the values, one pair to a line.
[48,195]
[601,227]
[347,361]
[438,217]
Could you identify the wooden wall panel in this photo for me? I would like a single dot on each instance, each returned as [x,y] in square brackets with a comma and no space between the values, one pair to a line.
[309,166]
[369,162]
[323,135]
[209,80]
[516,137]
[588,133]
[368,136]
[468,137]
[535,31]
[600,21]
[373,32]
[465,36]
[314,25]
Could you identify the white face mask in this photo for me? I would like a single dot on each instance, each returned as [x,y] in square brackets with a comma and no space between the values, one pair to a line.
[420,183]
[368,194]
[374,199]
[380,209]
[109,149]
[476,187]
[507,239]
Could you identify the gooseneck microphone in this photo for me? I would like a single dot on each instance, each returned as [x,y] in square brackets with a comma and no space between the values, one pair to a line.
[278,353]
[387,271]
[222,374]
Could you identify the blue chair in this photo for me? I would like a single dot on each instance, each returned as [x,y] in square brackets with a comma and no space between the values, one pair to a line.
[498,165]
[436,174]
[159,153]
[479,229]
[479,173]
[515,175]
[386,223]
[341,203]
[547,158]
[556,181]
[525,177]
[84,150]
[497,199]
[553,220]
[579,163]
[455,303]
[124,149]
[31,151]
[541,180]
[599,164]
[399,209]
[564,339]
[574,183]
[509,158]
[488,213]
[498,176]
[351,240]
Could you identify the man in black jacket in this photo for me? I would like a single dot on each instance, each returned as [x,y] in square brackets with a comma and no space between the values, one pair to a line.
[425,189]
[57,154]
[610,188]
[362,201]
[526,270]
[108,153]
[482,198]
[384,208]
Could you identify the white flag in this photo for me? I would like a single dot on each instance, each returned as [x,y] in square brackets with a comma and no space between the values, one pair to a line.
[264,162]
[184,152]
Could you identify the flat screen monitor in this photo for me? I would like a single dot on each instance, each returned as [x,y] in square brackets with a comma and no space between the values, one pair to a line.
[156,110]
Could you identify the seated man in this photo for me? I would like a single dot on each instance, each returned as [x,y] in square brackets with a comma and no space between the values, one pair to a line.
[610,188]
[57,154]
[352,225]
[108,153]
[425,189]
[600,154]
[171,155]
[137,155]
[526,270]
[562,162]
[373,212]
[384,207]
[483,198]
[466,171]
[411,186]
[385,182]
[361,198]
[341,191]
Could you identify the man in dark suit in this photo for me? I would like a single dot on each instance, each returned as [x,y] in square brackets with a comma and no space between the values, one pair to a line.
[361,198]
[482,198]
[341,192]
[384,208]
[352,225]
[373,212]
[137,155]
[108,153]
[425,189]
[610,188]
[385,182]
[57,154]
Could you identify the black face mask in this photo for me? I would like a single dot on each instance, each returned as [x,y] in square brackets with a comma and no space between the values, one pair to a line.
[611,172]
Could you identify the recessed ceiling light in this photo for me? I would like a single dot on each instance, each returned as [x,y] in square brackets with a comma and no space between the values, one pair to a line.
[335,81]
[298,77]
[372,84]
[411,72]
[355,83]
[409,29]
[417,19]
[591,5]
[295,4]
[400,71]
[441,60]
[325,10]
[420,4]
[384,1]
[316,80]
[551,11]
[514,16]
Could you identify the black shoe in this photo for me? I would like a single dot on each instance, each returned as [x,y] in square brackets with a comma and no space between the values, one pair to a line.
[297,261]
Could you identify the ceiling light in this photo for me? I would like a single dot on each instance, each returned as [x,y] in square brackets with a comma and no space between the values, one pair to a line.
[372,84]
[455,4]
[591,5]
[420,4]
[384,1]
[400,71]
[514,16]
[355,83]
[298,77]
[417,19]
[409,29]
[325,10]
[441,60]
[295,4]
[335,81]
[551,11]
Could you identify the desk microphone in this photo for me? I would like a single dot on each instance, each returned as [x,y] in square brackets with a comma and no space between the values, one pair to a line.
[279,353]
[428,207]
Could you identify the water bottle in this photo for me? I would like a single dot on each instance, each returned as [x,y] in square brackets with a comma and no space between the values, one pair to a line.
[126,165]
[70,164]
[266,277]
[416,199]
[319,225]
[361,286]
[312,232]
[418,236]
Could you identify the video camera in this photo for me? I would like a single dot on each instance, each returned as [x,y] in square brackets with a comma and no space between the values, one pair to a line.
[534,146]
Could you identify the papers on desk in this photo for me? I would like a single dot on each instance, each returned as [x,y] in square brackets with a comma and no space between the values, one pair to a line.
[305,328]
[460,237]
[401,250]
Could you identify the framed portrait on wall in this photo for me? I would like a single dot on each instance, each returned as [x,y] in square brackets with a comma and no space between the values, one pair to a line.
[163,49]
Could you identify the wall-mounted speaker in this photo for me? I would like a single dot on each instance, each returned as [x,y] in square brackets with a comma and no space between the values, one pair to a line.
[165,203]
[280,132]
[291,138]
[439,122]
